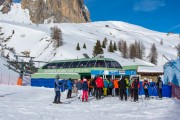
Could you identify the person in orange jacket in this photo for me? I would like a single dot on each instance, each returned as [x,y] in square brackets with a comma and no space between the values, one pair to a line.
[116,87]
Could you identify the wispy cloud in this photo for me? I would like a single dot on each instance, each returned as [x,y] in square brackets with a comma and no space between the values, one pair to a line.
[148,5]
[174,27]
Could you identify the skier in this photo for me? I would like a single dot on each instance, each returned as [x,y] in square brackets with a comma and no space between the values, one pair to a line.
[135,86]
[116,87]
[106,84]
[159,85]
[111,87]
[57,85]
[94,86]
[127,87]
[131,89]
[122,87]
[99,86]
[79,88]
[69,86]
[85,90]
[145,85]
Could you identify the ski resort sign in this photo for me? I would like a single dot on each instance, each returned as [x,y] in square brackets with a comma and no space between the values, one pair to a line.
[65,71]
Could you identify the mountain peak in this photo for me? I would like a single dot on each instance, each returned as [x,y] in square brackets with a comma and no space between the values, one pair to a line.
[56,11]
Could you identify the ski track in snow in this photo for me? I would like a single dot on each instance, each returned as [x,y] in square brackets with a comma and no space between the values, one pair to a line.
[33,103]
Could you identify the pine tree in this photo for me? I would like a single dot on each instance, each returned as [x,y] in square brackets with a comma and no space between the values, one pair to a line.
[153,54]
[121,45]
[125,50]
[84,46]
[137,49]
[103,45]
[110,49]
[105,41]
[97,49]
[142,50]
[77,47]
[115,47]
[132,51]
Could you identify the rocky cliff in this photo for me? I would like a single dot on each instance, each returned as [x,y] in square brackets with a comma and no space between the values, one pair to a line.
[57,11]
[6,6]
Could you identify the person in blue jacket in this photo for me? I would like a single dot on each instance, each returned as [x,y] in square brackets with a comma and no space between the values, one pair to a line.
[106,85]
[69,87]
[57,86]
[85,90]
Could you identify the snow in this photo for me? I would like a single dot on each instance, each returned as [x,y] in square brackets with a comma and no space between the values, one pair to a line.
[33,103]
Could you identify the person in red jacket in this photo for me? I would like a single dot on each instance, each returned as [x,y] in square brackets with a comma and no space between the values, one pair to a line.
[135,86]
[99,87]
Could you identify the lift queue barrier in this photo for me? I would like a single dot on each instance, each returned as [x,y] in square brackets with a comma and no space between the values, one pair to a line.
[49,83]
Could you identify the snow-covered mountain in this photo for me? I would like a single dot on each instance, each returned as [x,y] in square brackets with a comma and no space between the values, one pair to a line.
[19,33]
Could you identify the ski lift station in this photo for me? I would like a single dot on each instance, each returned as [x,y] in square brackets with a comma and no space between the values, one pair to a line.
[79,68]
[76,69]
[86,67]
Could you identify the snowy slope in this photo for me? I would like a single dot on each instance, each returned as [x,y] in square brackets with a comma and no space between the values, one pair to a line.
[28,103]
[37,39]
[25,36]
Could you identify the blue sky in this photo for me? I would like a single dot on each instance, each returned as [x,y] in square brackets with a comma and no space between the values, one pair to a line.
[159,15]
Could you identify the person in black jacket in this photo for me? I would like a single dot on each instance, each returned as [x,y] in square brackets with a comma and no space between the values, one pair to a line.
[94,86]
[159,85]
[135,86]
[122,87]
[146,85]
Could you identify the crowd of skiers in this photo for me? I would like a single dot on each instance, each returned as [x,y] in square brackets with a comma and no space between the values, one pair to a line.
[98,87]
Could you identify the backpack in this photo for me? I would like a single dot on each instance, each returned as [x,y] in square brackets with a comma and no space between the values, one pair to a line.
[99,83]
[91,83]
[135,85]
[111,85]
